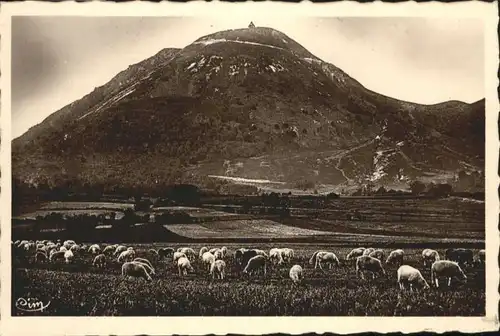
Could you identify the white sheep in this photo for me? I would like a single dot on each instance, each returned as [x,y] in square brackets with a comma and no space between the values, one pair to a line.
[256,263]
[126,255]
[119,249]
[134,269]
[368,264]
[288,254]
[208,258]
[324,256]
[68,256]
[94,249]
[447,269]
[430,256]
[296,274]
[99,260]
[218,268]
[410,276]
[202,250]
[357,252]
[396,257]
[184,266]
[178,255]
[189,252]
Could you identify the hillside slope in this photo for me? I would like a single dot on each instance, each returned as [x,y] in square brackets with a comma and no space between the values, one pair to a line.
[250,103]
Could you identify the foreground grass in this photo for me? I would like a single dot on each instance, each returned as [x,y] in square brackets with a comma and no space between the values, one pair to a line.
[80,289]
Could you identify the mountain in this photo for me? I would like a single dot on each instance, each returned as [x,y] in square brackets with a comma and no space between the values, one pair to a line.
[249,103]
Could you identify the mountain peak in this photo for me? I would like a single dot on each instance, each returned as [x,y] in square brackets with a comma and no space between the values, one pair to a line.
[256,36]
[251,103]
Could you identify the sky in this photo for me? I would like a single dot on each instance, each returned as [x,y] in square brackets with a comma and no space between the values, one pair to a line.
[57,60]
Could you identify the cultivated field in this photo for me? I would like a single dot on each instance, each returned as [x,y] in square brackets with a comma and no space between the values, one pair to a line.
[81,289]
[87,205]
[253,228]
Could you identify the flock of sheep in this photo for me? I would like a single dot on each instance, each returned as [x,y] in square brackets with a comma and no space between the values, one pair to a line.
[367,260]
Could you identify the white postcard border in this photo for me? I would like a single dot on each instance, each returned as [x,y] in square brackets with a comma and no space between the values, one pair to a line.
[255,325]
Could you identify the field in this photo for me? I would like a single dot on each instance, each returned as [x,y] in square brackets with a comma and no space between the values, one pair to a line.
[195,212]
[87,205]
[337,225]
[71,212]
[79,289]
[254,228]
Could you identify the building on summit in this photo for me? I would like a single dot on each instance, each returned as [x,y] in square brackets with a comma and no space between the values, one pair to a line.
[251,25]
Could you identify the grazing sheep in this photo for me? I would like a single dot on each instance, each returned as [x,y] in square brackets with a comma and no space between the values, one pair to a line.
[30,247]
[202,250]
[184,266]
[51,250]
[430,256]
[395,257]
[276,256]
[74,248]
[368,264]
[119,249]
[208,258]
[378,254]
[178,255]
[153,253]
[99,260]
[288,254]
[460,255]
[481,257]
[219,255]
[447,269]
[94,249]
[224,251]
[54,250]
[126,255]
[410,276]
[68,243]
[256,263]
[367,251]
[357,252]
[218,268]
[109,249]
[189,252]
[296,274]
[132,269]
[68,256]
[323,256]
[22,243]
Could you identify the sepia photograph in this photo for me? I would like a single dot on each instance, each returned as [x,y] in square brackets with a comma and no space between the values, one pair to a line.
[243,165]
